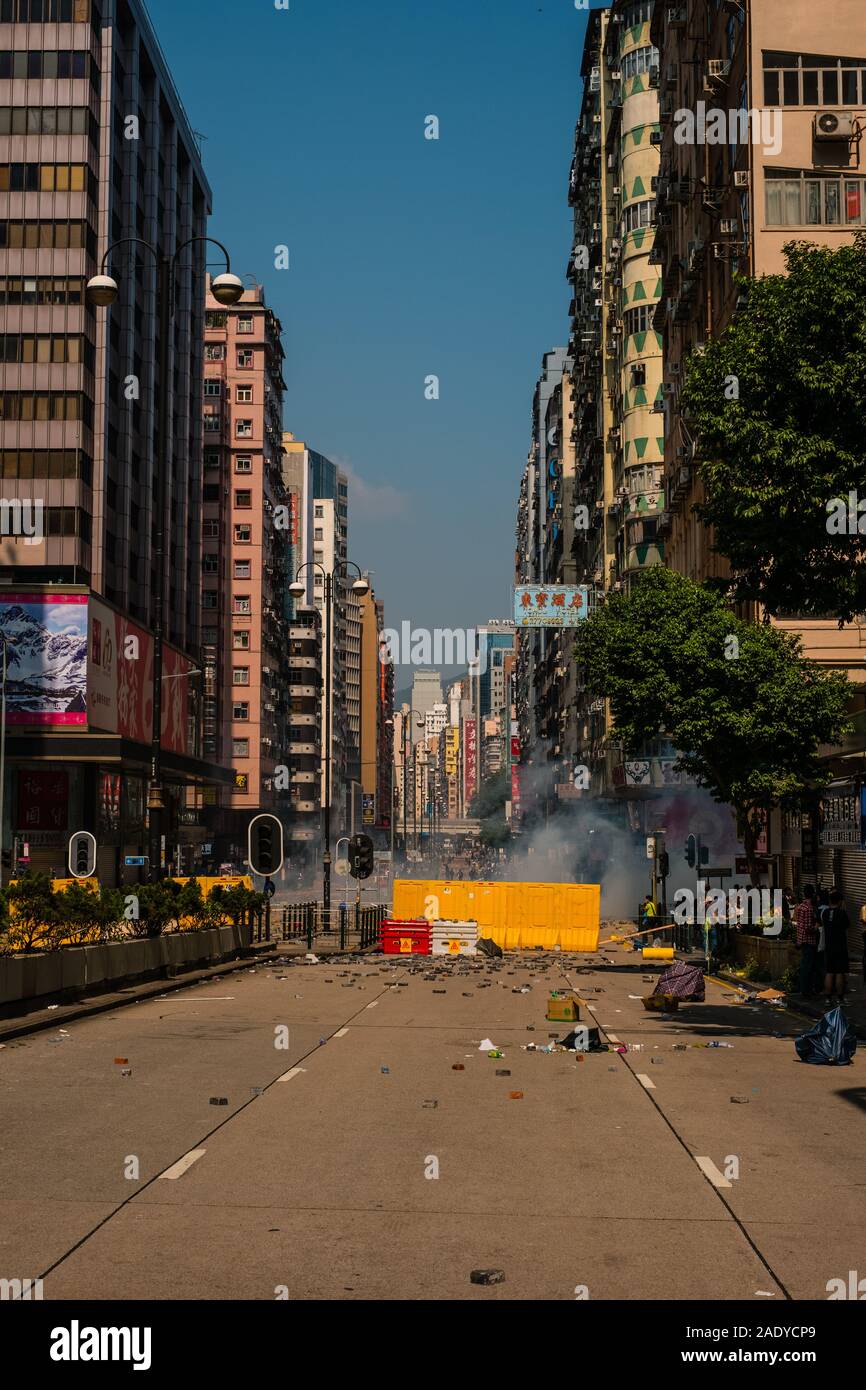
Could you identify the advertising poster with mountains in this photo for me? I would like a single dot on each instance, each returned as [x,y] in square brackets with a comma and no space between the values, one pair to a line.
[46,655]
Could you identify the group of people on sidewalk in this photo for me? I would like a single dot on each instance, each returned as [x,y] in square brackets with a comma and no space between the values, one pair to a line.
[821,927]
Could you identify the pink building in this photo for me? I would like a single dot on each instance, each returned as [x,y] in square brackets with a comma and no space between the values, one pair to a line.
[246,544]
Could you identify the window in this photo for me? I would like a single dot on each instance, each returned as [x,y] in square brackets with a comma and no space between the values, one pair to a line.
[638,13]
[637,320]
[244,395]
[803,198]
[243,535]
[242,569]
[210,564]
[241,675]
[214,352]
[243,464]
[212,422]
[245,358]
[46,405]
[241,604]
[320,513]
[210,530]
[211,492]
[240,710]
[213,386]
[319,534]
[209,599]
[241,641]
[245,323]
[209,636]
[639,60]
[637,215]
[215,319]
[211,459]
[240,748]
[813,79]
[54,290]
[243,498]
[244,429]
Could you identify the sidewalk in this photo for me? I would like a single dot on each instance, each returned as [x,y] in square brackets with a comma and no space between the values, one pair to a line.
[854,1007]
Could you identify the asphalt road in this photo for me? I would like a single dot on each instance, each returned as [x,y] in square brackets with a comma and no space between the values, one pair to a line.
[322,1185]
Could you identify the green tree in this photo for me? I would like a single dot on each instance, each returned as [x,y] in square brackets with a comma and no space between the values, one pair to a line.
[776,406]
[746,709]
[34,922]
[491,797]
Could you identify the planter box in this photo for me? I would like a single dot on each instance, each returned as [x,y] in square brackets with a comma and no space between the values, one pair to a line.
[76,971]
[774,956]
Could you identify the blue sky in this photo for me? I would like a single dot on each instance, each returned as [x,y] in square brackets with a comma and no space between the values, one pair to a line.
[409,257]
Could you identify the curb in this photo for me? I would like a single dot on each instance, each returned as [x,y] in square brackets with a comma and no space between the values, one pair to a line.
[42,1019]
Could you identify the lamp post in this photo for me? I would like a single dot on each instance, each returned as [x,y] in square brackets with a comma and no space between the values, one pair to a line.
[298,589]
[102,292]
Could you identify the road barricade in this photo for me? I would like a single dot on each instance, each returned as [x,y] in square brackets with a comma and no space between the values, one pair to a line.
[517,916]
[406,938]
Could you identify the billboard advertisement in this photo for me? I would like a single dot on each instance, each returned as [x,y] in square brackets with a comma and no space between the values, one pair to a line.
[550,605]
[46,678]
[470,770]
[120,681]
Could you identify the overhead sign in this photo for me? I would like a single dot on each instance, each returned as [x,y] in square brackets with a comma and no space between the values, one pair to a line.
[550,605]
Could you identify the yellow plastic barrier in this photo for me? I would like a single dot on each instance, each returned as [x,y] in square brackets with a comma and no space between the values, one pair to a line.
[515,915]
[658,953]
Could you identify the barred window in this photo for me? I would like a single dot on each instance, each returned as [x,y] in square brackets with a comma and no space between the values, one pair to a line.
[637,215]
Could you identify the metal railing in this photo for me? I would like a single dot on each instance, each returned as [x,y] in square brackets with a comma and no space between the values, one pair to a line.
[347,926]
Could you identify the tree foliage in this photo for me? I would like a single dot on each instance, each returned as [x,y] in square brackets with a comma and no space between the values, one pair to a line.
[773,457]
[745,709]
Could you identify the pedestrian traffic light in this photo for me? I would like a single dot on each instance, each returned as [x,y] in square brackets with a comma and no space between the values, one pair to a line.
[82,854]
[265,845]
[692,851]
[664,864]
[361,859]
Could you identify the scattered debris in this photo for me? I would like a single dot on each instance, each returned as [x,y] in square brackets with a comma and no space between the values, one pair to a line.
[219,1100]
[429,1105]
[515,1095]
[458,1066]
[487,1276]
[739,1100]
[502,1071]
[487,1046]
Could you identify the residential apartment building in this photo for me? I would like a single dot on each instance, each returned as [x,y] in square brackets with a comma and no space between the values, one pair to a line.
[728,209]
[304,829]
[245,553]
[376,714]
[95,148]
[617,426]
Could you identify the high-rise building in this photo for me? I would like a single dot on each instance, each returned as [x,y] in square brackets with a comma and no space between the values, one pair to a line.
[95,148]
[305,733]
[246,535]
[376,710]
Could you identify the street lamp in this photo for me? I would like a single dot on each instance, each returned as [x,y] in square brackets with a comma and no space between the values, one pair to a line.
[103,291]
[298,589]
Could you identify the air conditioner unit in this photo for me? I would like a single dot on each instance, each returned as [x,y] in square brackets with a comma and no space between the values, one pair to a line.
[668,388]
[596,120]
[615,246]
[720,252]
[834,125]
[655,137]
[615,76]
[674,368]
[719,67]
[728,227]
[742,178]
[616,190]
[676,17]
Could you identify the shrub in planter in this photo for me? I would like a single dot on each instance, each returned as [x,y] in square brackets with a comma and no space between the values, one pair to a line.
[228,905]
[34,923]
[88,917]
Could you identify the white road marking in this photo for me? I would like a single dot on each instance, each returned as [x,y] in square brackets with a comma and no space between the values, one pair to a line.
[645,1082]
[709,1170]
[342,1033]
[373,1004]
[611,1037]
[178,1169]
[288,1075]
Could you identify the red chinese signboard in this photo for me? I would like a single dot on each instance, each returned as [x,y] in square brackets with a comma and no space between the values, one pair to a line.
[43,800]
[470,769]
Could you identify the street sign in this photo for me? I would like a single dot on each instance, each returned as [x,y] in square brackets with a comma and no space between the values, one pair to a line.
[135,861]
[342,866]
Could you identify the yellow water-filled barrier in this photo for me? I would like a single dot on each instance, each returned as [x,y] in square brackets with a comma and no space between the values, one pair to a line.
[658,953]
[517,916]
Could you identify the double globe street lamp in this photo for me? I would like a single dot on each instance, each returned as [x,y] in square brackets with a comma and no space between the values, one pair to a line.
[103,291]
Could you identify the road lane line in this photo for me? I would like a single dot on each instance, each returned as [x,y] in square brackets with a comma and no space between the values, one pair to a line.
[288,1075]
[373,1004]
[342,1033]
[645,1082]
[178,1169]
[709,1170]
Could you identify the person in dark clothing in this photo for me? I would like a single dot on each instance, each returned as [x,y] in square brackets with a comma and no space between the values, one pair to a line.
[806,923]
[836,962]
[822,907]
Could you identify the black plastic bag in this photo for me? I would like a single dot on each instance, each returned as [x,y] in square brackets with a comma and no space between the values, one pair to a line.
[832,1041]
[488,947]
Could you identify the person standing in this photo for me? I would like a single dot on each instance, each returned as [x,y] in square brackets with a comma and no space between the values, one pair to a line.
[808,934]
[836,963]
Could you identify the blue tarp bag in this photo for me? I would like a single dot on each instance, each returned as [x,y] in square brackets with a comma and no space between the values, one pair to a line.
[832,1041]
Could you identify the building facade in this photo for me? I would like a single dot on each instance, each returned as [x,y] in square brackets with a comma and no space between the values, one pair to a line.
[95,147]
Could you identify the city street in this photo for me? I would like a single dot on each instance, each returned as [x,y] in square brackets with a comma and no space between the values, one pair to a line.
[316,1178]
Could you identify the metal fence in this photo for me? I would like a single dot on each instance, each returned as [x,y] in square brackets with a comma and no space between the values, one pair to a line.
[345,927]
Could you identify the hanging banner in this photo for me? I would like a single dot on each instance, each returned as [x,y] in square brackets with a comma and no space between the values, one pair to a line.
[550,605]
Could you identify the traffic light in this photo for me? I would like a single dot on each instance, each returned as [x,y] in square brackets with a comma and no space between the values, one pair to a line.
[82,854]
[664,864]
[704,853]
[265,845]
[692,851]
[361,859]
